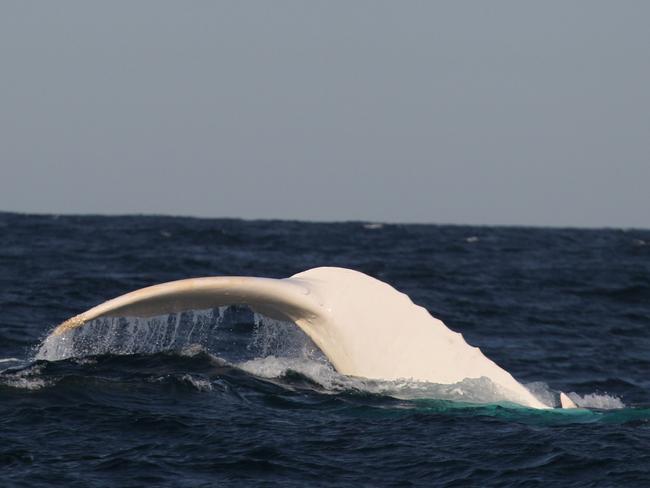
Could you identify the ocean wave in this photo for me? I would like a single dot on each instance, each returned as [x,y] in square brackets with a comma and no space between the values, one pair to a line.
[265,348]
[292,383]
[27,378]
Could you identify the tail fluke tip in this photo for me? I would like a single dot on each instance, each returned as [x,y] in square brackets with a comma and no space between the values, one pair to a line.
[566,402]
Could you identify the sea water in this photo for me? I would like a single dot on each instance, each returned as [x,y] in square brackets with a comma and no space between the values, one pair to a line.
[228,397]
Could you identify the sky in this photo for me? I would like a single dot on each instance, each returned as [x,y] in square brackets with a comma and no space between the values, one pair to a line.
[468,112]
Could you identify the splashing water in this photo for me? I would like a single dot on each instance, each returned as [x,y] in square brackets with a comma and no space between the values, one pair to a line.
[120,335]
[270,349]
[596,401]
[276,337]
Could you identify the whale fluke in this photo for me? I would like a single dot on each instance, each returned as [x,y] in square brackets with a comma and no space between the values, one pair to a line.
[364,326]
[566,402]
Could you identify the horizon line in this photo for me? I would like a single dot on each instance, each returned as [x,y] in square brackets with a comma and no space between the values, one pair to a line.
[320,221]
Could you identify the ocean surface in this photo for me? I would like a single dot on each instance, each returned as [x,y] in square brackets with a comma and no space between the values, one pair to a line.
[225,397]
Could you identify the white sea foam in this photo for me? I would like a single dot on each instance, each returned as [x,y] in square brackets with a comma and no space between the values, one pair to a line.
[474,390]
[277,367]
[196,382]
[26,379]
[200,384]
[598,401]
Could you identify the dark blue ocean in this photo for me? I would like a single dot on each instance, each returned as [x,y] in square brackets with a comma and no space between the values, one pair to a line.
[237,400]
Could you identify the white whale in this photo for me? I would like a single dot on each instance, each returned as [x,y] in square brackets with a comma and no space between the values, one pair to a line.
[364,326]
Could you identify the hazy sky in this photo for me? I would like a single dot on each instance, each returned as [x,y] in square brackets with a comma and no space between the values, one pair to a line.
[483,112]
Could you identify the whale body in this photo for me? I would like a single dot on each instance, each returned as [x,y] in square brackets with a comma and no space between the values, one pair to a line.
[365,327]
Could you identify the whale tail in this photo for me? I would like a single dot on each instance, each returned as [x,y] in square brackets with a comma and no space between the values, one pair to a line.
[283,299]
[364,326]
